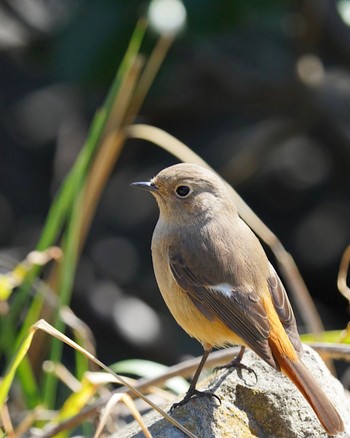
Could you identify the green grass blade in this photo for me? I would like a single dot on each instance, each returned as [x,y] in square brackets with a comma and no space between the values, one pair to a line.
[8,378]
[53,226]
[126,64]
[64,214]
[29,384]
[65,285]
[76,183]
[63,202]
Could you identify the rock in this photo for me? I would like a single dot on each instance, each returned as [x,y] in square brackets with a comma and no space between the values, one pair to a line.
[265,406]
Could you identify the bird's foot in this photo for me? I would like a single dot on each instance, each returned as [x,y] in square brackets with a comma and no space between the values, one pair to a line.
[237,364]
[192,394]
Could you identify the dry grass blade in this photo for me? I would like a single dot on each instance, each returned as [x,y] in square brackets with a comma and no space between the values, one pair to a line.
[125,108]
[186,369]
[44,326]
[151,69]
[112,143]
[130,98]
[343,273]
[127,400]
[108,152]
[332,351]
[28,421]
[63,374]
[285,261]
[18,274]
[80,328]
[101,169]
[92,170]
[124,98]
[220,357]
[6,421]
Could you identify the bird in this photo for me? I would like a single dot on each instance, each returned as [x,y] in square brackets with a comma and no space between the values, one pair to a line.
[218,283]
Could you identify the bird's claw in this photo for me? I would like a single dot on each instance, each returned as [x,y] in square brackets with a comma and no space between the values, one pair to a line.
[192,394]
[238,365]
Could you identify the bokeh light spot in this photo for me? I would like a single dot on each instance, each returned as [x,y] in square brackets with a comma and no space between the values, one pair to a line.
[137,321]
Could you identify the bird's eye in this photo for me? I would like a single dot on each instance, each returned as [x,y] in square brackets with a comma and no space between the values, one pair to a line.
[182,191]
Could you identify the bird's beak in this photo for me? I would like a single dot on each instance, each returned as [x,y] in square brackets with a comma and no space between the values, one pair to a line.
[149,186]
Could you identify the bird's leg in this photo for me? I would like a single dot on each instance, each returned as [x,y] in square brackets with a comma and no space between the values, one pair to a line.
[192,391]
[237,363]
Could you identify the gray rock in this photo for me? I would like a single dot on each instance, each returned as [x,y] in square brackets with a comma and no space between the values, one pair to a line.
[267,407]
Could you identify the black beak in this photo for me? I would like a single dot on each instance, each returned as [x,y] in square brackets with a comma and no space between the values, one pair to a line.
[149,186]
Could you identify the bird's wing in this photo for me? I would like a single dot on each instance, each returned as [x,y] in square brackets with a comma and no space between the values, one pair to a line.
[284,309]
[240,310]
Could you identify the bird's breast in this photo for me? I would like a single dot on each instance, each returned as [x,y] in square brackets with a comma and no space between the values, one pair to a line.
[210,332]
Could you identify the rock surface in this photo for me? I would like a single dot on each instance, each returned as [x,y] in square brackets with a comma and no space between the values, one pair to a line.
[268,407]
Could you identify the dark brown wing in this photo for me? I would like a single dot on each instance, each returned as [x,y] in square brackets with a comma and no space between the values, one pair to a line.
[240,310]
[284,309]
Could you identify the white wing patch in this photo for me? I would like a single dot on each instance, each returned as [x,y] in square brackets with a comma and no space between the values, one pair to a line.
[223,288]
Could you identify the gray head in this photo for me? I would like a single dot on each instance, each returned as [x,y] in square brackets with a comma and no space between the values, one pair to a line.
[188,190]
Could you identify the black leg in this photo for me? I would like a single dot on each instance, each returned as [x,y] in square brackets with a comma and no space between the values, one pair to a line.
[192,391]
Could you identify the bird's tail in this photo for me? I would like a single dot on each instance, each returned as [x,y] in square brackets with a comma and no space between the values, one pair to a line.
[307,385]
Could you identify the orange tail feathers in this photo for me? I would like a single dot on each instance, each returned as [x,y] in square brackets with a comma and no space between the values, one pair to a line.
[307,385]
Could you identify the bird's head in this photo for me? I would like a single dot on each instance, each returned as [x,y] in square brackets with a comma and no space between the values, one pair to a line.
[188,190]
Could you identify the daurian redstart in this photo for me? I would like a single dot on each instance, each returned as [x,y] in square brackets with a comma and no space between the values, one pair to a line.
[218,283]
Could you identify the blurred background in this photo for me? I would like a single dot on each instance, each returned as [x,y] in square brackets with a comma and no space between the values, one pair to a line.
[260,90]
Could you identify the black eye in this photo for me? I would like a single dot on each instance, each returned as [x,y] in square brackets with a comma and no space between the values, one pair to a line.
[183,191]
